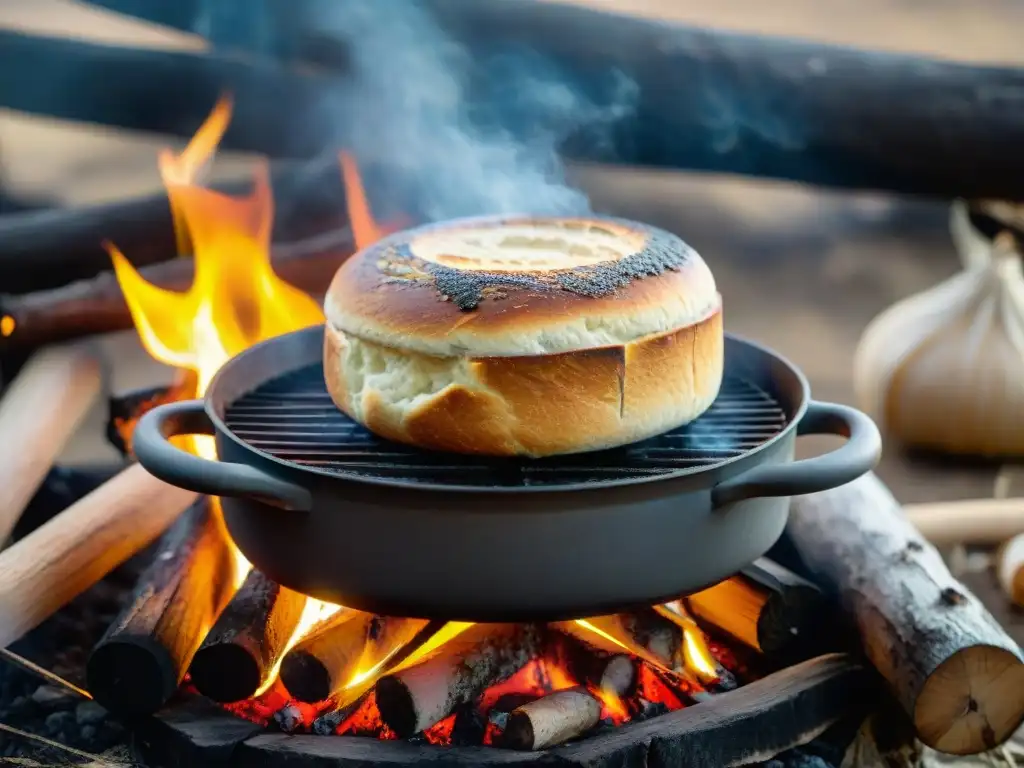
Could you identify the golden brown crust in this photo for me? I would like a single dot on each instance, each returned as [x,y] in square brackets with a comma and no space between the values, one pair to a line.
[545,404]
[387,292]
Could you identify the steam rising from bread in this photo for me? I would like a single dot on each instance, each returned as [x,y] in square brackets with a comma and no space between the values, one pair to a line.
[403,108]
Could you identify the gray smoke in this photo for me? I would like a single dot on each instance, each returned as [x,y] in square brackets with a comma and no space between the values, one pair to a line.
[408,111]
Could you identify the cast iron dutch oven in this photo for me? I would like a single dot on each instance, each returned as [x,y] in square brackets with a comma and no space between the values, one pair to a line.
[501,551]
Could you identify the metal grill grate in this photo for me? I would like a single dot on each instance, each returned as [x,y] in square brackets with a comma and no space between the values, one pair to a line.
[292,418]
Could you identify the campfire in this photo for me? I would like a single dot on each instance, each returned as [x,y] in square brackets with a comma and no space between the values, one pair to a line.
[857,626]
[205,620]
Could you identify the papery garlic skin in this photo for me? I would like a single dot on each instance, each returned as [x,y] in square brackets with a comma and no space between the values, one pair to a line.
[944,370]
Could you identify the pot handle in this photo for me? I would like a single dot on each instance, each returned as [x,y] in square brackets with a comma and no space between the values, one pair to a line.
[858,456]
[153,449]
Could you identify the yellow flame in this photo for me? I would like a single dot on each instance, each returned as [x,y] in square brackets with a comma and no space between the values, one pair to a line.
[696,654]
[236,300]
[7,325]
[601,633]
[313,612]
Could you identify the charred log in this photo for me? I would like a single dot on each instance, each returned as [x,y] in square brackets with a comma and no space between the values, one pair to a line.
[596,667]
[330,658]
[952,667]
[47,249]
[707,100]
[97,305]
[416,697]
[767,608]
[246,642]
[138,664]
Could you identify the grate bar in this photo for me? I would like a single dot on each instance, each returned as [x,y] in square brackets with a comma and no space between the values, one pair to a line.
[292,418]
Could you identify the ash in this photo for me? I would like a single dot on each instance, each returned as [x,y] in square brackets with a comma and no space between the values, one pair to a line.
[61,645]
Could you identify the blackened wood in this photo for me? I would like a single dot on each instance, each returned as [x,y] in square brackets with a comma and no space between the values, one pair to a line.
[97,305]
[416,697]
[748,725]
[161,90]
[594,666]
[708,100]
[244,646]
[191,733]
[953,668]
[137,665]
[47,249]
[770,609]
[328,659]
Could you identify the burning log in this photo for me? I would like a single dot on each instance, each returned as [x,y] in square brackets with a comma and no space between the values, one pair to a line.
[97,305]
[416,697]
[1010,569]
[139,663]
[566,714]
[708,100]
[335,654]
[768,608]
[67,555]
[598,665]
[38,414]
[552,719]
[953,669]
[242,649]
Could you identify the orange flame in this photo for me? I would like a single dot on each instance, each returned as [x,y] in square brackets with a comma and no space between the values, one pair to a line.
[236,300]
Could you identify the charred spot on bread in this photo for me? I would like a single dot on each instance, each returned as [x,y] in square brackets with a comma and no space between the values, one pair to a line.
[457,280]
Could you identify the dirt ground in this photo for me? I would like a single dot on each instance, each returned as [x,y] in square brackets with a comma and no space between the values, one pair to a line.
[800,269]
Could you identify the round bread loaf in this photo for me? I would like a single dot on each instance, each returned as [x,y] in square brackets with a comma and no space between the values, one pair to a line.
[524,336]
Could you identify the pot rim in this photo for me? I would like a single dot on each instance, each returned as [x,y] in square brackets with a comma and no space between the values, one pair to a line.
[715,472]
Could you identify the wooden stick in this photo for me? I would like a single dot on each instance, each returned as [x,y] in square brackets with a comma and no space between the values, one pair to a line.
[552,719]
[952,667]
[416,697]
[97,305]
[330,659]
[65,556]
[38,414]
[244,646]
[140,661]
[973,522]
[767,608]
[1010,569]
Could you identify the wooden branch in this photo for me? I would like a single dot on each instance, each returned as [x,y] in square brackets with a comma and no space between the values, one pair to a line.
[972,522]
[1010,569]
[49,249]
[767,608]
[62,558]
[138,664]
[954,670]
[97,305]
[707,100]
[39,413]
[242,650]
[416,697]
[551,720]
[329,659]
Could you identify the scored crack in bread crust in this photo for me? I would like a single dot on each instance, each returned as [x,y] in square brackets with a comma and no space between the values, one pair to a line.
[528,337]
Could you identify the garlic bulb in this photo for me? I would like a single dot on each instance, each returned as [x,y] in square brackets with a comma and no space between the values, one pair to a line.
[944,369]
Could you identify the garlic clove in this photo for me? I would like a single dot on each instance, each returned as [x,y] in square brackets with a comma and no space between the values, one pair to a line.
[945,369]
